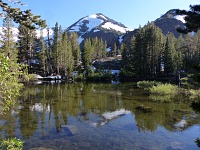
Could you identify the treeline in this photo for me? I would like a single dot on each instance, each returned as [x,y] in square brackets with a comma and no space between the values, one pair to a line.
[55,54]
[59,54]
[152,54]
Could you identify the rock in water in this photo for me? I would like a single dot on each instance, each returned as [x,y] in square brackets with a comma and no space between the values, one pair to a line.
[181,124]
[72,129]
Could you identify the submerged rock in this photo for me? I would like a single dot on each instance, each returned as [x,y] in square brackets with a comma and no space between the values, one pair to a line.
[114,114]
[72,129]
[181,124]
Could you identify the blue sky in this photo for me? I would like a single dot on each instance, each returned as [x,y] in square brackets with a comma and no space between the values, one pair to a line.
[131,13]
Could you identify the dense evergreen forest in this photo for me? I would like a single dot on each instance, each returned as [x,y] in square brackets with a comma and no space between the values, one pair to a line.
[151,54]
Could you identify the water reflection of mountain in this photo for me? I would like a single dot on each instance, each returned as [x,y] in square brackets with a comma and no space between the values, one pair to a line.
[51,106]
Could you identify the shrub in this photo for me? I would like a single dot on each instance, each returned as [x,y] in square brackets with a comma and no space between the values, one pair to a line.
[194,94]
[99,76]
[11,144]
[80,77]
[163,92]
[147,84]
[164,89]
[163,98]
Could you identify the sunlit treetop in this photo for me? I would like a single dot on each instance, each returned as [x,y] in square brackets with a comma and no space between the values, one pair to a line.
[23,17]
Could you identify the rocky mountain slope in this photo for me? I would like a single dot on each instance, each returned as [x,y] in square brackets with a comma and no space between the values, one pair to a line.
[98,25]
[167,23]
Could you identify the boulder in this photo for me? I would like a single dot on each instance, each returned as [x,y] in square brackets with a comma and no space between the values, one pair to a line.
[71,129]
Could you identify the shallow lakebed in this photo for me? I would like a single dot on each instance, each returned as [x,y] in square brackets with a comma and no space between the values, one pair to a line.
[99,116]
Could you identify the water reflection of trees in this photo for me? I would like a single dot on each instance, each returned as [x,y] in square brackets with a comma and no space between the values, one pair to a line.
[9,126]
[49,106]
[162,114]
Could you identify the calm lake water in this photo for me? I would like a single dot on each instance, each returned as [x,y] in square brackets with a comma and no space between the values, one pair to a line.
[99,117]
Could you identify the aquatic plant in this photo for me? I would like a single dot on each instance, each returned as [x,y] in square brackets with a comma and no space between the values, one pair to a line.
[163,92]
[147,84]
[164,89]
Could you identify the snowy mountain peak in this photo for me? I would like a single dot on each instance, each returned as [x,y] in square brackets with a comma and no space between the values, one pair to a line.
[172,14]
[96,21]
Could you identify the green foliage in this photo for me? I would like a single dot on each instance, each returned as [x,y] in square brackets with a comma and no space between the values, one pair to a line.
[11,144]
[23,17]
[163,92]
[163,89]
[10,88]
[147,84]
[8,45]
[93,49]
[191,18]
[144,56]
[9,91]
[27,45]
[99,76]
[168,55]
[80,77]
[194,94]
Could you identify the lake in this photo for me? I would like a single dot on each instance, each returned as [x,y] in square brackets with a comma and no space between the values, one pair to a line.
[91,116]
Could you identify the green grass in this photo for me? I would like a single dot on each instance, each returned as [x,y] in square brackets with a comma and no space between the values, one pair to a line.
[163,92]
[147,84]
[164,89]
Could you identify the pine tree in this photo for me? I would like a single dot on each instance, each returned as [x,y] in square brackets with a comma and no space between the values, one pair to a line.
[114,51]
[169,55]
[70,58]
[49,53]
[8,48]
[192,19]
[27,38]
[42,54]
[55,48]
[67,59]
[87,53]
[104,49]
[144,55]
[73,36]
[24,18]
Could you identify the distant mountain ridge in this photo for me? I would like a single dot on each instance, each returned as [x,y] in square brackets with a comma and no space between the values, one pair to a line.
[167,23]
[101,26]
[111,31]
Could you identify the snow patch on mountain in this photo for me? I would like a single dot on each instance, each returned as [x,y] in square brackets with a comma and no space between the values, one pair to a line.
[103,17]
[110,25]
[96,30]
[91,22]
[44,32]
[180,17]
[120,39]
[15,33]
[95,21]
